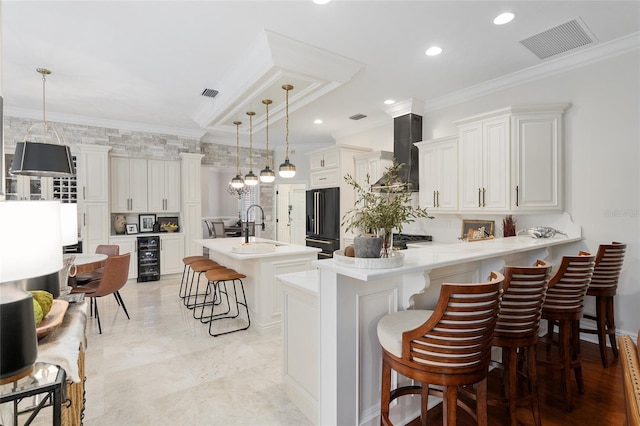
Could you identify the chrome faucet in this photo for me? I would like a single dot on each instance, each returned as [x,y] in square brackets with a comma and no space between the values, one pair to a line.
[246,228]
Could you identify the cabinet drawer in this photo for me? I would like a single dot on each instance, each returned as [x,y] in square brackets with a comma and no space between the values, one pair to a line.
[325,179]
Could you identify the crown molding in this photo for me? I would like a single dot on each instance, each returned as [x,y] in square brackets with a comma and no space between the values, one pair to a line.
[565,63]
[105,123]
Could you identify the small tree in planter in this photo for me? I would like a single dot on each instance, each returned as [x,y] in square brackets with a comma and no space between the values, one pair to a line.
[384,209]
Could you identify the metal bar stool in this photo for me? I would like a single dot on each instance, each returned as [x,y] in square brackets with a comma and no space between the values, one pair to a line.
[218,279]
[185,273]
[604,285]
[200,267]
[448,347]
[563,306]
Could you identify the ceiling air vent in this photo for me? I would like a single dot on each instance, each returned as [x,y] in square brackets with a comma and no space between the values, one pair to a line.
[358,117]
[210,93]
[562,38]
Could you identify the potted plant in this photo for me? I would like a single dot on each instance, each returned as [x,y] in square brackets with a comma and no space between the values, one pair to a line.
[383,209]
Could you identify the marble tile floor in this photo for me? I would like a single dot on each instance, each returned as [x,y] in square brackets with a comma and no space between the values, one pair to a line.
[161,367]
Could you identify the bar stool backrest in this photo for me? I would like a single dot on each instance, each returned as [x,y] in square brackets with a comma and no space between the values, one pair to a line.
[608,265]
[569,284]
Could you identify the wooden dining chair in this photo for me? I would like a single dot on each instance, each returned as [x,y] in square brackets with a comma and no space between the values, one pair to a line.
[116,273]
[447,347]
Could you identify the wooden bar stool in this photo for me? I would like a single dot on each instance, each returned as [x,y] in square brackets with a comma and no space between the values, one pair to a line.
[185,273]
[200,267]
[563,306]
[218,279]
[448,347]
[604,285]
[516,331]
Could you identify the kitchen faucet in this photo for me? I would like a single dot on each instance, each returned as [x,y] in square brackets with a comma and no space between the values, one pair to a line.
[246,228]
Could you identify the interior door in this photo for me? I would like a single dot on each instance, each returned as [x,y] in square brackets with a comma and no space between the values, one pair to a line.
[291,213]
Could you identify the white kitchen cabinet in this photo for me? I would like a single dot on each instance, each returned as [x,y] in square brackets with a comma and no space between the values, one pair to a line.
[536,171]
[95,226]
[163,186]
[438,160]
[324,159]
[372,164]
[128,185]
[128,245]
[484,164]
[171,253]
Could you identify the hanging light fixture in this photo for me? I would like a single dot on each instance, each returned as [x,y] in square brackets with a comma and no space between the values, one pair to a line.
[42,158]
[287,170]
[250,178]
[237,182]
[267,175]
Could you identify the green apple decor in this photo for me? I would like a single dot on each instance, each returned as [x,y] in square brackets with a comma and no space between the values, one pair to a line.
[383,209]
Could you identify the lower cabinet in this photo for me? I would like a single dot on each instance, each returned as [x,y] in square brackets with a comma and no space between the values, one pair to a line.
[128,245]
[171,253]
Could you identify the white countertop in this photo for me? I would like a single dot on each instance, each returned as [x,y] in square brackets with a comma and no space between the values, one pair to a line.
[431,255]
[225,245]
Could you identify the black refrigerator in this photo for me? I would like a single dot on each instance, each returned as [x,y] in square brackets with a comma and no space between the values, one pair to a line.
[323,220]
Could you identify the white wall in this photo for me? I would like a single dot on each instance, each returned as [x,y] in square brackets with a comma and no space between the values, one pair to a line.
[216,202]
[601,163]
[379,138]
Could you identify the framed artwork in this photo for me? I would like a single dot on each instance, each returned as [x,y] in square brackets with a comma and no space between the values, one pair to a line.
[146,222]
[131,228]
[477,229]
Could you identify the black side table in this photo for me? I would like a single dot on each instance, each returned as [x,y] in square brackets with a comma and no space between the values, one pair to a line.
[46,379]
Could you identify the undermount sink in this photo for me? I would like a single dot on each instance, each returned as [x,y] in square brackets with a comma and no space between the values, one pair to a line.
[254,248]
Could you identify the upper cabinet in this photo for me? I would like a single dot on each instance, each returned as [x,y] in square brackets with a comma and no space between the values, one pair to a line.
[128,185]
[484,165]
[163,186]
[536,150]
[324,159]
[372,164]
[510,160]
[438,159]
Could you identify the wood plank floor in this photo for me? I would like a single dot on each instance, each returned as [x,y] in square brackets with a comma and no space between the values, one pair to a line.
[601,404]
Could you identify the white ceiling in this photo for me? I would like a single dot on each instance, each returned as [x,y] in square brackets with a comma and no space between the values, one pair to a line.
[142,65]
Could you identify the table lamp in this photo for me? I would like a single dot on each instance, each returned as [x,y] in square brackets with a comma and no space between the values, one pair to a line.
[31,247]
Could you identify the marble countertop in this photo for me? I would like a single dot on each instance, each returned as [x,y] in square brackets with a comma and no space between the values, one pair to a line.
[431,255]
[225,245]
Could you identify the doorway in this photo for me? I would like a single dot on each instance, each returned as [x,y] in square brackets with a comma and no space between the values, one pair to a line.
[290,213]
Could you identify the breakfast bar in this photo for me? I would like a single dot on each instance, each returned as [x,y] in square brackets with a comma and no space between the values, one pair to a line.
[350,302]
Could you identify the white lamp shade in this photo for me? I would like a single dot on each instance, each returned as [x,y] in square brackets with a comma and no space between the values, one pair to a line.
[69,223]
[31,243]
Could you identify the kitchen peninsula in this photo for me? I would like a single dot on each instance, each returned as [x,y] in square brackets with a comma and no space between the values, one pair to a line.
[261,260]
[351,301]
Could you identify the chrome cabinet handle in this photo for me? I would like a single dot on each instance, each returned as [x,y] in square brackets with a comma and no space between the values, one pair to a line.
[517,195]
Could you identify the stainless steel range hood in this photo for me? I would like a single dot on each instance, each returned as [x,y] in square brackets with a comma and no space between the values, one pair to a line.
[407,129]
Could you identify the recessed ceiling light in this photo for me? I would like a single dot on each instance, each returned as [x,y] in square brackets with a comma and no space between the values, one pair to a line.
[504,18]
[389,102]
[433,51]
[317,121]
[321,1]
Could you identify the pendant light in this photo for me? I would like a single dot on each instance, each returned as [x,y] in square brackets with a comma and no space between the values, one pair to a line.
[42,158]
[250,178]
[287,170]
[267,175]
[237,182]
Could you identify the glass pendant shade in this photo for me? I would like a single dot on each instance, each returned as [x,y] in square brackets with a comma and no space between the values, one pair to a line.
[42,158]
[237,182]
[287,170]
[267,175]
[251,179]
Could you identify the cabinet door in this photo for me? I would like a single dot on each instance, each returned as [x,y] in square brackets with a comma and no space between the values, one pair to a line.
[325,179]
[171,254]
[471,167]
[156,189]
[128,245]
[172,186]
[95,226]
[138,185]
[447,176]
[496,170]
[428,162]
[536,175]
[93,174]
[331,159]
[119,184]
[315,161]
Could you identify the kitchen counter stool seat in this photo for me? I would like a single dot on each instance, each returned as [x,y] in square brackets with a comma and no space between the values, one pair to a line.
[448,347]
[185,272]
[603,286]
[199,267]
[563,307]
[229,309]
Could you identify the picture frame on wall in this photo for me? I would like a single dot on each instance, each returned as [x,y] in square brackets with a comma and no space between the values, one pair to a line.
[474,230]
[131,228]
[146,222]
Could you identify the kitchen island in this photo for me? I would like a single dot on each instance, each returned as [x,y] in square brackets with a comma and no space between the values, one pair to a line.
[261,260]
[351,301]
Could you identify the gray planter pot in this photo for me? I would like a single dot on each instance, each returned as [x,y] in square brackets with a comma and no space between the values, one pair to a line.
[367,246]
